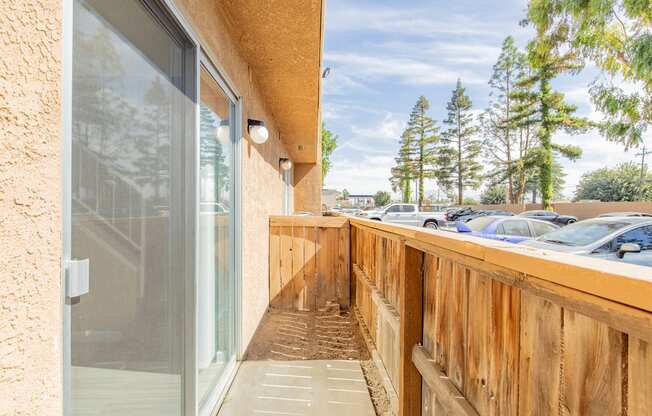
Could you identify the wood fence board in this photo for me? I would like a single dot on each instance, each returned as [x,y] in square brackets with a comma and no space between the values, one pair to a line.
[504,349]
[310,268]
[639,386]
[430,271]
[298,283]
[477,345]
[457,325]
[540,357]
[442,333]
[411,330]
[285,234]
[274,264]
[592,367]
[343,267]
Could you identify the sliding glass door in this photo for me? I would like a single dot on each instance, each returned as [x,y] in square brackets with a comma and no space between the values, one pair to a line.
[132,216]
[150,217]
[216,271]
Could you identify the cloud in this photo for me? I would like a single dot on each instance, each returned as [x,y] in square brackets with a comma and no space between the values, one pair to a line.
[407,21]
[390,127]
[404,70]
[472,52]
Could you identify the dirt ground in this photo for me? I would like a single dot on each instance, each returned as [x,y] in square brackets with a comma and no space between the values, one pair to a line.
[331,334]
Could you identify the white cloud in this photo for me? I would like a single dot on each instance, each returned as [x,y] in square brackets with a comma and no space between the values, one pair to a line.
[405,70]
[407,21]
[390,127]
[472,52]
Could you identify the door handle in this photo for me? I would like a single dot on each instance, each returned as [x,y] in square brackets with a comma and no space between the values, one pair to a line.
[77,277]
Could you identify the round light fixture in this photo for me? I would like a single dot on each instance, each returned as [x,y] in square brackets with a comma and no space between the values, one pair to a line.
[286,164]
[224,133]
[258,132]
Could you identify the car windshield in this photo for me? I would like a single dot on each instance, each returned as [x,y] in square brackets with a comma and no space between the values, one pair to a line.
[480,223]
[583,233]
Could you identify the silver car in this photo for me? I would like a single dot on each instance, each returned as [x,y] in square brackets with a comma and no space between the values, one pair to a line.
[626,239]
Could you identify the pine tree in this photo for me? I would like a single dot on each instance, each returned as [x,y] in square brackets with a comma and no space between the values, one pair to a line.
[404,172]
[550,110]
[421,149]
[500,135]
[458,155]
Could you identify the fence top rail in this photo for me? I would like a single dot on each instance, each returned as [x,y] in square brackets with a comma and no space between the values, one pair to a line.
[307,221]
[624,283]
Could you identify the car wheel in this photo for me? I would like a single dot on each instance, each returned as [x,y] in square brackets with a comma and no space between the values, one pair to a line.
[570,221]
[431,224]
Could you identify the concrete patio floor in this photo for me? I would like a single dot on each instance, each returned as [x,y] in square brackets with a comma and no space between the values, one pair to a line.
[298,388]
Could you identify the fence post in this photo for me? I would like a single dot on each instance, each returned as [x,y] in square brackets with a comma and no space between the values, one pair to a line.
[411,312]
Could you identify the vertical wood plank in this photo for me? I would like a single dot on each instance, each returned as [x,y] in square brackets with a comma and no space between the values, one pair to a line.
[504,349]
[274,265]
[456,303]
[285,299]
[411,333]
[430,270]
[343,267]
[540,356]
[639,386]
[353,244]
[442,334]
[592,366]
[310,269]
[477,346]
[298,284]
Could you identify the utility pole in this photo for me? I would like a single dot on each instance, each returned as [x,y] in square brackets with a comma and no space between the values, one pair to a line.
[643,153]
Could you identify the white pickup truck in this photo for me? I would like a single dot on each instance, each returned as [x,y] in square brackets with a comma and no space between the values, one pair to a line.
[406,214]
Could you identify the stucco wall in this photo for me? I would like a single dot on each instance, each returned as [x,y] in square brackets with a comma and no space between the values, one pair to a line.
[307,187]
[30,207]
[263,181]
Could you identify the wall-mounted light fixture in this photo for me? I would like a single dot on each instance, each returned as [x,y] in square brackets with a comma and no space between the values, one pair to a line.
[285,164]
[224,133]
[257,131]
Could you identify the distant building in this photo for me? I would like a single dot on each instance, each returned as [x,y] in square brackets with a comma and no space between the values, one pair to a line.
[329,197]
[361,201]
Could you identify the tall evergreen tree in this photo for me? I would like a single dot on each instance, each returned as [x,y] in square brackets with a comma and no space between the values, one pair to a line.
[404,172]
[552,113]
[458,155]
[507,143]
[421,149]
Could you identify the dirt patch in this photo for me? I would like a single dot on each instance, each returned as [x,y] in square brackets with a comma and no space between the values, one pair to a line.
[331,334]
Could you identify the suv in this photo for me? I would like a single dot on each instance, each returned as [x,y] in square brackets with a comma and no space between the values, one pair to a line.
[406,214]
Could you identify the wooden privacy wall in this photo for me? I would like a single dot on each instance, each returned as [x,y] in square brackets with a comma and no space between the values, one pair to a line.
[308,262]
[487,328]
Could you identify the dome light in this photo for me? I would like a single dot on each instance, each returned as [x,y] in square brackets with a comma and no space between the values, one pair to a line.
[257,131]
[286,164]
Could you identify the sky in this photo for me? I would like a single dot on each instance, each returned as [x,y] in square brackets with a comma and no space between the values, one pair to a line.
[384,54]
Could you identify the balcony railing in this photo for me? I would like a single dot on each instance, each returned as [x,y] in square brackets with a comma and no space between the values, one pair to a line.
[475,327]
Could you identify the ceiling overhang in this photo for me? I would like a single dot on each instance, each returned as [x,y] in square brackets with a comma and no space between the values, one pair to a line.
[282,42]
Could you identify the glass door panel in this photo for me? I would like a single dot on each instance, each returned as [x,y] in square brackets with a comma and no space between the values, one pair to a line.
[129,132]
[215,280]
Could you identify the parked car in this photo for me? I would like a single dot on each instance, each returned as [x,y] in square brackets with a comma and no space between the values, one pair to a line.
[483,213]
[406,214]
[625,214]
[549,216]
[626,239]
[466,214]
[504,228]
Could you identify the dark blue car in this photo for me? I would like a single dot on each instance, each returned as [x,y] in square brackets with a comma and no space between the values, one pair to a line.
[509,229]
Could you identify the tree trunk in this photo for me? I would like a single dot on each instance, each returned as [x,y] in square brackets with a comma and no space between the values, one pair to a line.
[545,170]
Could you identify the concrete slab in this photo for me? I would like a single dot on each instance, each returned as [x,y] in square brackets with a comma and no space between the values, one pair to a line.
[298,388]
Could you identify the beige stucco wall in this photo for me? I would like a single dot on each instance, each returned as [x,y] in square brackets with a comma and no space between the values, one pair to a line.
[30,207]
[262,179]
[307,187]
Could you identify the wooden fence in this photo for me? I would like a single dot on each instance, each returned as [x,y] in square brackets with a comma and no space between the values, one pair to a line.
[466,326]
[308,262]
[474,327]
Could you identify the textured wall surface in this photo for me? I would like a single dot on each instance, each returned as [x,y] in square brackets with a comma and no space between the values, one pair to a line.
[263,181]
[30,207]
[307,187]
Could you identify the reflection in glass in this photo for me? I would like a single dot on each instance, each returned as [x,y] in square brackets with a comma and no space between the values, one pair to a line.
[215,285]
[128,130]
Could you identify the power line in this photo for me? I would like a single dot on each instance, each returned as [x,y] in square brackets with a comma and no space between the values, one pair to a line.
[643,153]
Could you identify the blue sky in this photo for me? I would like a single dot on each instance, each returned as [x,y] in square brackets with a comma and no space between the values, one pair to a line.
[384,54]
